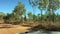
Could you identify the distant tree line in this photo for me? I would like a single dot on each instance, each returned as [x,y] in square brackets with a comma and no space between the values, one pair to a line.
[18,15]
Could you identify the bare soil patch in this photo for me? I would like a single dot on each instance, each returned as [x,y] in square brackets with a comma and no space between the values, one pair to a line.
[13,30]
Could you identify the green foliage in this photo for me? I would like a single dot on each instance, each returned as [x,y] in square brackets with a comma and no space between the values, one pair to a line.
[30,15]
[49,5]
[2,16]
[19,13]
[34,17]
[16,16]
[19,10]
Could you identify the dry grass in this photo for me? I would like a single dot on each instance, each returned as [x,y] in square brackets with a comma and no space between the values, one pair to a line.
[50,26]
[29,24]
[18,28]
[47,26]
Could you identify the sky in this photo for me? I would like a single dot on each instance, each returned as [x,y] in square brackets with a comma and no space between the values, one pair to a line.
[7,6]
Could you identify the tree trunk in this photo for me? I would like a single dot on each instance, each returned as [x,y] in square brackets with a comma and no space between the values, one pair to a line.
[53,18]
[41,16]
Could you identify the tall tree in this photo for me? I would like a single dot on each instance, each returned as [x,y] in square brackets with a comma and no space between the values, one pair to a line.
[19,10]
[30,16]
[16,16]
[53,5]
[41,4]
[49,5]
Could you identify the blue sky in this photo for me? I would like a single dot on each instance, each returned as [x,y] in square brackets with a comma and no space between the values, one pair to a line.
[7,6]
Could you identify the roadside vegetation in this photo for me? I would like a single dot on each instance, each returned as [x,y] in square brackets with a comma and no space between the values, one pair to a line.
[49,20]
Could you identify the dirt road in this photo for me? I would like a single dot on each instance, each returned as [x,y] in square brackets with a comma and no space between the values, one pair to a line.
[15,30]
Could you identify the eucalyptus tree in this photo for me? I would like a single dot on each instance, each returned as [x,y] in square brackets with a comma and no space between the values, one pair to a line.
[40,4]
[49,5]
[16,16]
[30,16]
[19,10]
[52,6]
